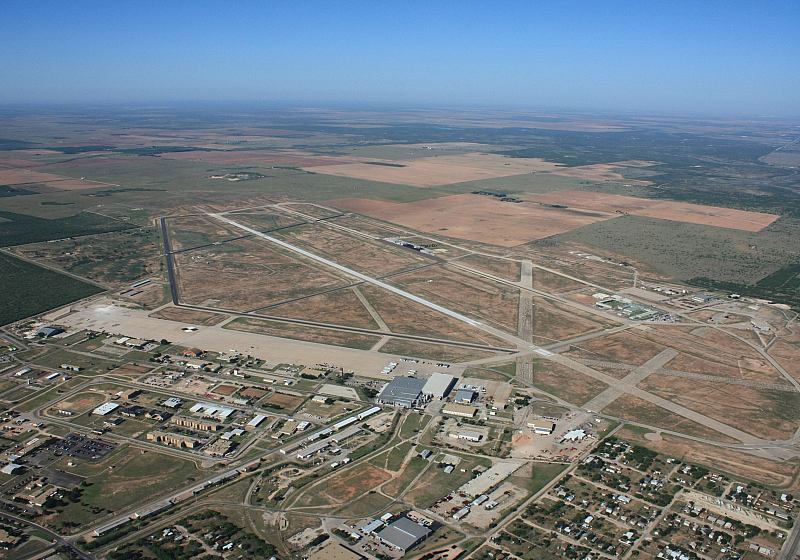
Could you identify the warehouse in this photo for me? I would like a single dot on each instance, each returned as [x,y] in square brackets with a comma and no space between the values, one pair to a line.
[461,410]
[253,424]
[465,396]
[542,427]
[468,436]
[105,408]
[438,385]
[405,392]
[403,534]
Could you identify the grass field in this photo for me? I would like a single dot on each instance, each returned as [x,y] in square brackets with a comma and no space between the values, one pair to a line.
[300,332]
[29,289]
[19,229]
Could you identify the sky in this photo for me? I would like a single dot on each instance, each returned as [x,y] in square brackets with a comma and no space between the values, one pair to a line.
[705,56]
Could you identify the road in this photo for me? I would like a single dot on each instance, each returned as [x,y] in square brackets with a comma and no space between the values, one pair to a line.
[55,536]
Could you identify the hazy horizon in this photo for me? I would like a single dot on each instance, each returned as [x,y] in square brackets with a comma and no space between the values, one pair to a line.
[715,58]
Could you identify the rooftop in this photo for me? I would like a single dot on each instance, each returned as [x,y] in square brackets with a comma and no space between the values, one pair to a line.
[403,533]
[403,391]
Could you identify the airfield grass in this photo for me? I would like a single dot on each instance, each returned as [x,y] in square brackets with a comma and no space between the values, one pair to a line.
[429,351]
[29,289]
[565,383]
[300,332]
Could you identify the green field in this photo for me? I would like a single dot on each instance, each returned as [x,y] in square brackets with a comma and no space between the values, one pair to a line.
[28,289]
[19,229]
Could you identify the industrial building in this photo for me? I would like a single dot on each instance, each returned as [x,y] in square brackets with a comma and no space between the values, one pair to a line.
[542,427]
[209,410]
[47,332]
[465,396]
[468,436]
[438,385]
[405,392]
[105,408]
[403,534]
[253,424]
[461,410]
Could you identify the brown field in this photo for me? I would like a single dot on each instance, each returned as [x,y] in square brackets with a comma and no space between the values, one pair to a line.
[310,209]
[553,321]
[225,390]
[613,204]
[603,171]
[341,307]
[373,257]
[306,334]
[191,316]
[436,170]
[131,370]
[760,412]
[81,402]
[288,158]
[781,474]
[253,393]
[467,293]
[635,409]
[368,225]
[788,355]
[626,347]
[429,351]
[351,483]
[475,217]
[25,176]
[565,383]
[503,268]
[247,274]
[407,317]
[553,283]
[285,400]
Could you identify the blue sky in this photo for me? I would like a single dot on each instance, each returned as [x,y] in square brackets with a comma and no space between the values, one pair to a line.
[661,56]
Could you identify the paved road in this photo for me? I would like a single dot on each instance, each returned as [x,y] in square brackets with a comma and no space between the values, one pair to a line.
[55,536]
[173,284]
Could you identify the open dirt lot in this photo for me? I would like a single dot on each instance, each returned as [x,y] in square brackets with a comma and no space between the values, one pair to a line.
[665,210]
[476,217]
[190,316]
[349,484]
[341,307]
[437,170]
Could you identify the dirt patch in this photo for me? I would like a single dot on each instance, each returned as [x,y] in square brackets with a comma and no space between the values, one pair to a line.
[225,390]
[662,209]
[437,170]
[284,400]
[476,217]
[354,482]
[625,347]
[131,369]
[253,393]
[502,268]
[202,318]
[554,321]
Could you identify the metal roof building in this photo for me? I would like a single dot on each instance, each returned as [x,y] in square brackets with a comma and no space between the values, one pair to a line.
[403,534]
[438,385]
[105,408]
[402,391]
[465,396]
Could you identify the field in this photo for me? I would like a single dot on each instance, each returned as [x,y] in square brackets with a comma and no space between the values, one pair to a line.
[693,251]
[247,275]
[565,383]
[437,170]
[634,409]
[506,269]
[554,321]
[340,307]
[20,229]
[467,293]
[35,289]
[111,258]
[661,209]
[407,317]
[345,486]
[476,218]
[369,256]
[300,332]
